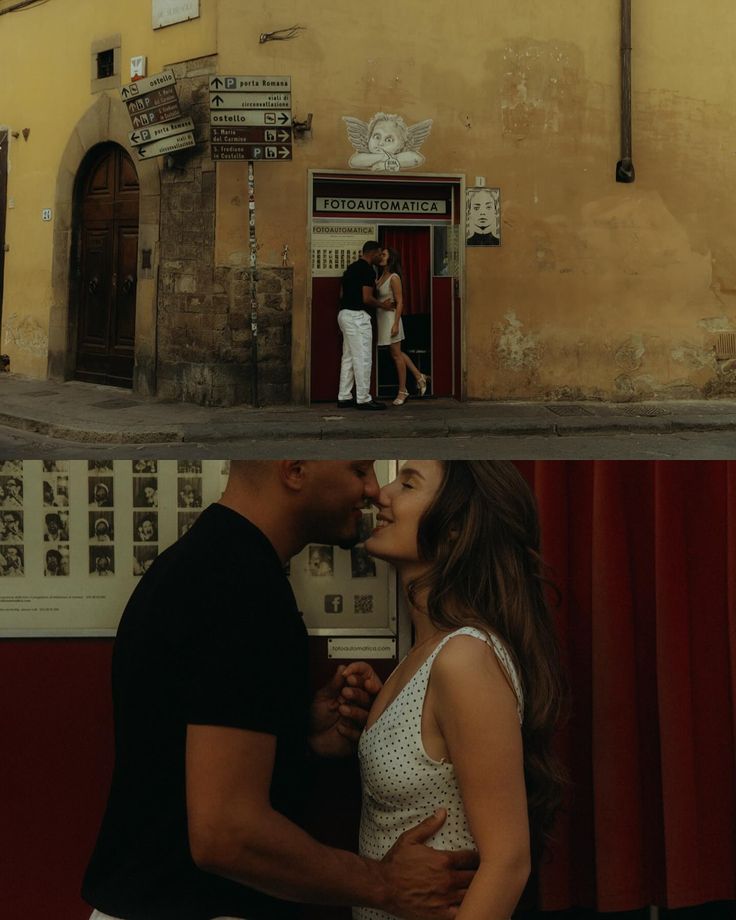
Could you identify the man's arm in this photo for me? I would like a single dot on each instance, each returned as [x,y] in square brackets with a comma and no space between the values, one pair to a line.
[370,301]
[234,832]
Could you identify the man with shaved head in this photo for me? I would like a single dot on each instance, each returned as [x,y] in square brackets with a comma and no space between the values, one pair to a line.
[213,724]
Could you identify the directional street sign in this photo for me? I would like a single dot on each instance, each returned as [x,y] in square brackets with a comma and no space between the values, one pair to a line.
[242,135]
[250,84]
[269,119]
[250,152]
[166,145]
[158,125]
[167,129]
[251,118]
[155,116]
[141,87]
[220,101]
[154,98]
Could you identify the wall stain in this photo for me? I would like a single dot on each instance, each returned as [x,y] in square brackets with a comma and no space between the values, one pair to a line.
[27,334]
[542,90]
[630,354]
[517,351]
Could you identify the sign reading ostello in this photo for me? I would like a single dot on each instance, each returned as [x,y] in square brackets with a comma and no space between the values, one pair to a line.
[338,205]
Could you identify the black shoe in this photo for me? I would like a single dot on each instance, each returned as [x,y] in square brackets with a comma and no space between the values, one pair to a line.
[345,403]
[371,405]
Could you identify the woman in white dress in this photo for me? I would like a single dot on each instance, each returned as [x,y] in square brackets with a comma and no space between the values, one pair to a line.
[465,721]
[391,327]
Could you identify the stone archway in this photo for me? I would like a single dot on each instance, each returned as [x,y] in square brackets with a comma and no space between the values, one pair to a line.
[105,120]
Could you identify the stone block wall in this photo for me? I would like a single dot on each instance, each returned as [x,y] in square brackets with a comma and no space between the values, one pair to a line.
[204,311]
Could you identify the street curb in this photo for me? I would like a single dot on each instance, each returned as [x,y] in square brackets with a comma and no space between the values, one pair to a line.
[87,435]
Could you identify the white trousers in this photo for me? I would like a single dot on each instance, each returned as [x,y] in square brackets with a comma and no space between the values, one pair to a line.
[357,344]
[96,915]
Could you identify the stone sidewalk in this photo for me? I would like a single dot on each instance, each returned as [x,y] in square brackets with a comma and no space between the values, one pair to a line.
[86,413]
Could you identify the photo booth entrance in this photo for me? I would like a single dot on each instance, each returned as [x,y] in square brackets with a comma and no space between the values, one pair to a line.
[420,217]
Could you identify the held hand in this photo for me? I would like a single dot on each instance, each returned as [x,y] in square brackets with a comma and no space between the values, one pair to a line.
[426,884]
[340,709]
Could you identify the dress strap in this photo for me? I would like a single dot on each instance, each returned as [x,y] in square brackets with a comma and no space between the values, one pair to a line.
[501,652]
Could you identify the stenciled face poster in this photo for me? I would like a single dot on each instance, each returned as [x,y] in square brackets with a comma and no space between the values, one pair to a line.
[482,216]
[76,536]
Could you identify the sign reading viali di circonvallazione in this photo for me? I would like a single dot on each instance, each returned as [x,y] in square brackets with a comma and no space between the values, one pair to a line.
[250,117]
[158,125]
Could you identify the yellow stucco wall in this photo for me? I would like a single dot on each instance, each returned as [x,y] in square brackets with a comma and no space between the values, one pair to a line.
[46,80]
[599,289]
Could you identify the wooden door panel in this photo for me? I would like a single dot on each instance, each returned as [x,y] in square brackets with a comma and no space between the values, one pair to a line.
[96,288]
[109,257]
[123,330]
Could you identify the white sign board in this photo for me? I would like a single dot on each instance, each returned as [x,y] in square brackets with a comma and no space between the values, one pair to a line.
[77,535]
[155,133]
[250,84]
[358,649]
[169,12]
[255,119]
[166,145]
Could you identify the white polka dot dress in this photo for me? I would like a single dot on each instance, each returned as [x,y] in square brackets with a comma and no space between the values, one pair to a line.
[402,785]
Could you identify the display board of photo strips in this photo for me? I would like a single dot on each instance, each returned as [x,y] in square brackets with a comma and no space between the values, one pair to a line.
[77,535]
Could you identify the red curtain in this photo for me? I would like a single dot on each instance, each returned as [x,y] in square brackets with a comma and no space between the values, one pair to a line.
[645,556]
[413,245]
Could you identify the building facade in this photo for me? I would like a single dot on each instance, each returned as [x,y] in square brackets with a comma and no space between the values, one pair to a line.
[480,142]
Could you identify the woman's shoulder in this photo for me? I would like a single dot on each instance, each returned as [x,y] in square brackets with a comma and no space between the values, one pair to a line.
[467,652]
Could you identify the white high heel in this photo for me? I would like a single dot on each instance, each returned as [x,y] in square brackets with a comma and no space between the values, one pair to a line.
[422,384]
[401,398]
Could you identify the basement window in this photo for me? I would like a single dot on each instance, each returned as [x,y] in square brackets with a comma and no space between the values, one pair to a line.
[105,64]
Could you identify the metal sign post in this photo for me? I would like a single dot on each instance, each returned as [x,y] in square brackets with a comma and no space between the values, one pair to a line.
[253,278]
[250,119]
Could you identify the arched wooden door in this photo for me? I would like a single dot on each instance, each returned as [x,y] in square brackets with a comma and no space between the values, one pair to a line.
[106,278]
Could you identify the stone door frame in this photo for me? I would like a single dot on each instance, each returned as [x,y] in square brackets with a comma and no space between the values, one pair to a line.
[105,121]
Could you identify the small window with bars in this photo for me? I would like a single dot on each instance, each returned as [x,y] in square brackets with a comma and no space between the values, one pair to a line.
[105,64]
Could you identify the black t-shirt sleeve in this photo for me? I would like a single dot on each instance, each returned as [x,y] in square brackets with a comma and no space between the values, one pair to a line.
[367,275]
[244,667]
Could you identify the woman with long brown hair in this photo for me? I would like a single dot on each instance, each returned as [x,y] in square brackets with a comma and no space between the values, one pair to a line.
[389,287]
[465,721]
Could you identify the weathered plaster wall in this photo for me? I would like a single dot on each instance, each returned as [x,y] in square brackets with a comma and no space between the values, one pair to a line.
[600,289]
[46,87]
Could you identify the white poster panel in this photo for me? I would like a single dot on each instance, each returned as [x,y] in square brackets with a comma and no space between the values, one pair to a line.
[169,12]
[77,535]
[335,246]
[345,591]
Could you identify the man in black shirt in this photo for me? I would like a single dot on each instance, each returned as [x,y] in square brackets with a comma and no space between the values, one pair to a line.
[213,723]
[358,292]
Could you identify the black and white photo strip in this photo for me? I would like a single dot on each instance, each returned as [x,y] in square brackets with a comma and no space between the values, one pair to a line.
[91,519]
[12,548]
[45,518]
[321,564]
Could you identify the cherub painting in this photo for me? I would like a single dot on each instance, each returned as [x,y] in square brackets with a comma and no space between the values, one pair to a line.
[386,143]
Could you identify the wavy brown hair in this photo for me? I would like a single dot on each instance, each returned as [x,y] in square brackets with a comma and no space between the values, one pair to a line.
[480,537]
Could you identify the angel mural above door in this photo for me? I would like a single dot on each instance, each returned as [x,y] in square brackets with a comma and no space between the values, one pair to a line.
[386,143]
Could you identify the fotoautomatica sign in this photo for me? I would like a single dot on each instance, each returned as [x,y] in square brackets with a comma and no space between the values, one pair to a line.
[405,206]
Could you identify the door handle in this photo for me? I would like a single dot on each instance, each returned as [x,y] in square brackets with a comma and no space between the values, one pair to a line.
[92,287]
[128,284]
